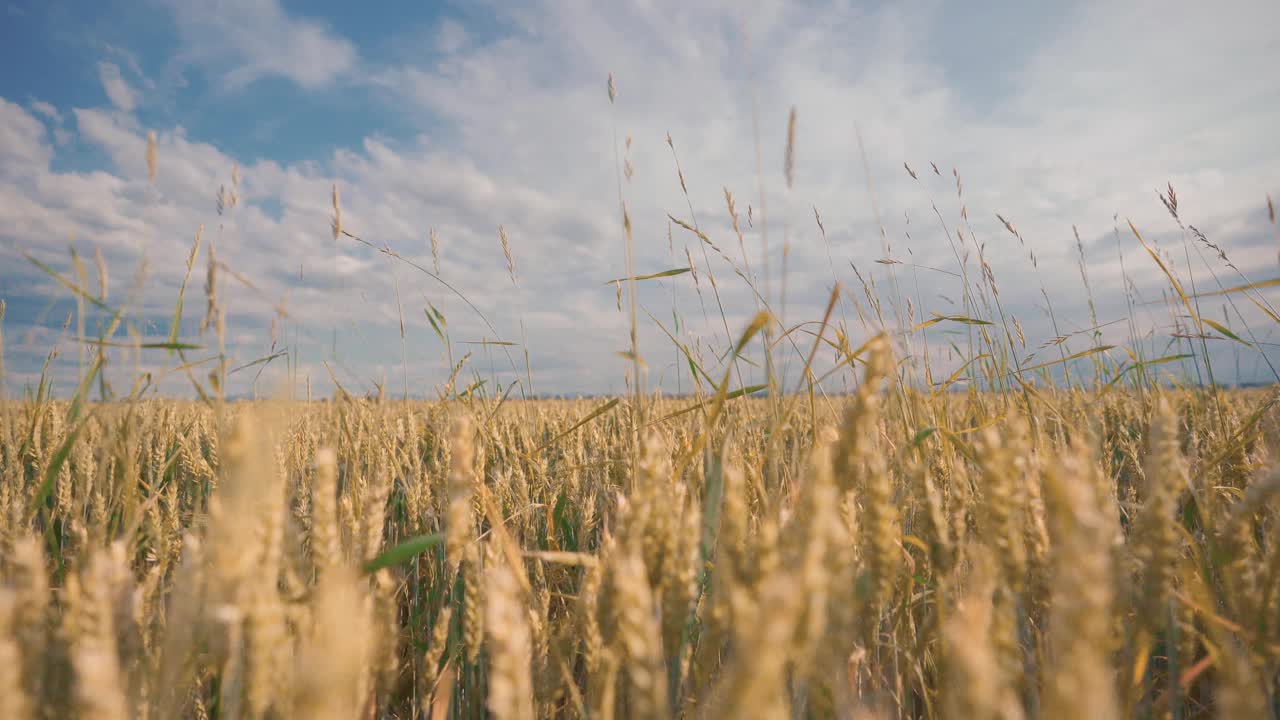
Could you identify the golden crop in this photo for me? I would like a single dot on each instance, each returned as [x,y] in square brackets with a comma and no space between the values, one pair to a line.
[1080,555]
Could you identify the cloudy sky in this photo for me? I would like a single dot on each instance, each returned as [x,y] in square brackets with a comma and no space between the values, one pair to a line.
[460,118]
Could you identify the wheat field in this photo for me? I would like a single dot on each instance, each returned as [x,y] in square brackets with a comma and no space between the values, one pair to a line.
[1065,554]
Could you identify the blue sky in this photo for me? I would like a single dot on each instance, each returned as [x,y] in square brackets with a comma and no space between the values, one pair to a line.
[462,117]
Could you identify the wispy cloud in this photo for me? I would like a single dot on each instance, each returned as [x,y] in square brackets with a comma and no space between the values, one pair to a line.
[238,42]
[46,110]
[118,91]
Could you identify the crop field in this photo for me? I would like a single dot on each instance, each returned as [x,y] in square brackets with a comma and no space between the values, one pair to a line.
[893,553]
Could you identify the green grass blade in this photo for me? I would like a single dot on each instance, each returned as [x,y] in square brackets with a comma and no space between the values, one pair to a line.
[651,276]
[404,552]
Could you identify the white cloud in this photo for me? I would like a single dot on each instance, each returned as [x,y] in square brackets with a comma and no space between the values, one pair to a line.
[47,110]
[242,41]
[22,140]
[389,195]
[451,36]
[1097,117]
[117,89]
